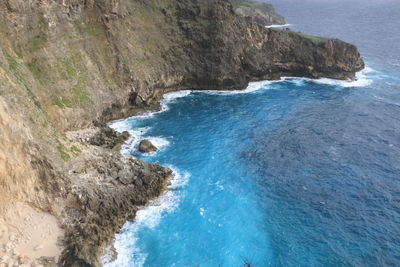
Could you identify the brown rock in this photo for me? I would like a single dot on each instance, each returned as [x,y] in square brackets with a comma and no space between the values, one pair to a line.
[146,146]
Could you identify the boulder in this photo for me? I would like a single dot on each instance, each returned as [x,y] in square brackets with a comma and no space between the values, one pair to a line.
[147,146]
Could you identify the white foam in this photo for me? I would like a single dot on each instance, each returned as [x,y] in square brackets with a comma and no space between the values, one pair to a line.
[147,217]
[278,26]
[362,80]
[252,87]
[201,212]
[120,125]
[177,94]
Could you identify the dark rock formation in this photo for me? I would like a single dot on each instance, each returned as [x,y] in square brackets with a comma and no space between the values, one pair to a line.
[108,138]
[146,146]
[259,12]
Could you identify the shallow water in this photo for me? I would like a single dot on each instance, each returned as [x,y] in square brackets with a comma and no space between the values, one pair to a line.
[290,173]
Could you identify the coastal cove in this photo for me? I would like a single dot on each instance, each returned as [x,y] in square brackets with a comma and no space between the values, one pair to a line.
[215,212]
[290,172]
[272,142]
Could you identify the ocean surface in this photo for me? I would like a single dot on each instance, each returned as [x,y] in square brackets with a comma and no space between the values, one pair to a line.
[296,172]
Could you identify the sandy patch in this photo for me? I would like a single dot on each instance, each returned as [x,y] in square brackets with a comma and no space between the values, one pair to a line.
[28,237]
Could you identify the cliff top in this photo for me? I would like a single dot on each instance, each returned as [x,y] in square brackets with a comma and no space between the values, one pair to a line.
[260,12]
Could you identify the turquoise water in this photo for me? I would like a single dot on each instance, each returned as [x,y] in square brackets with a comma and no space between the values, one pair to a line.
[291,173]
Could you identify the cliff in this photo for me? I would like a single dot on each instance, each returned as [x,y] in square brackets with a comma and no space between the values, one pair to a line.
[259,12]
[67,65]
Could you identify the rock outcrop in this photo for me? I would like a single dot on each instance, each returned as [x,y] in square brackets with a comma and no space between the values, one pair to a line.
[146,146]
[65,64]
[259,12]
[107,189]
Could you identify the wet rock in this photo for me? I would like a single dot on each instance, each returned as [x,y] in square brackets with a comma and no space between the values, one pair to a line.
[146,146]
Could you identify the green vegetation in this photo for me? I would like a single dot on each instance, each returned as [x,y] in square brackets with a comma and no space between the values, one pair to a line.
[67,69]
[93,30]
[14,67]
[36,66]
[67,153]
[315,39]
[38,42]
[12,63]
[238,3]
[64,155]
[72,68]
[75,150]
[252,5]
[61,102]
[34,98]
[80,94]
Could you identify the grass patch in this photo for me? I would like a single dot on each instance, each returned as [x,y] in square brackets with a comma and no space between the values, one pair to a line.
[93,30]
[38,71]
[38,42]
[61,102]
[14,66]
[80,94]
[12,63]
[71,67]
[62,151]
[34,98]
[315,39]
[75,150]
[68,153]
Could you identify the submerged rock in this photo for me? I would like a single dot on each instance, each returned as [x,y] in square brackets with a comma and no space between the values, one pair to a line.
[146,146]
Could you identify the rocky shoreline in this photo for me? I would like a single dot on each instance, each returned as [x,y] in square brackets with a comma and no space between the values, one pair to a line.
[73,64]
[107,189]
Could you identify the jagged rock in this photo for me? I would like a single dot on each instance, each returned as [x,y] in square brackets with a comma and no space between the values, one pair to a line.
[146,146]
[106,198]
[108,138]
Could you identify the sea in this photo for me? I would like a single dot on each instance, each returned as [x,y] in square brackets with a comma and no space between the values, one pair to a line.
[296,172]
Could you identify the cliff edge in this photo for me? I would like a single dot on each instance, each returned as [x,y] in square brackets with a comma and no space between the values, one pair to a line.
[68,65]
[261,13]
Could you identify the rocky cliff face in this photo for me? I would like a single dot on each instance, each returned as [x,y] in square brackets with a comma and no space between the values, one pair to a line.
[259,12]
[65,64]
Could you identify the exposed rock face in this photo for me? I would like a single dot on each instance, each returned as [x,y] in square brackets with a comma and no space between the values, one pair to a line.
[107,189]
[146,146]
[261,13]
[107,137]
[67,63]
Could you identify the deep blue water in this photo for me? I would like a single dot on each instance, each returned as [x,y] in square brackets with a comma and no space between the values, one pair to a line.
[298,173]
